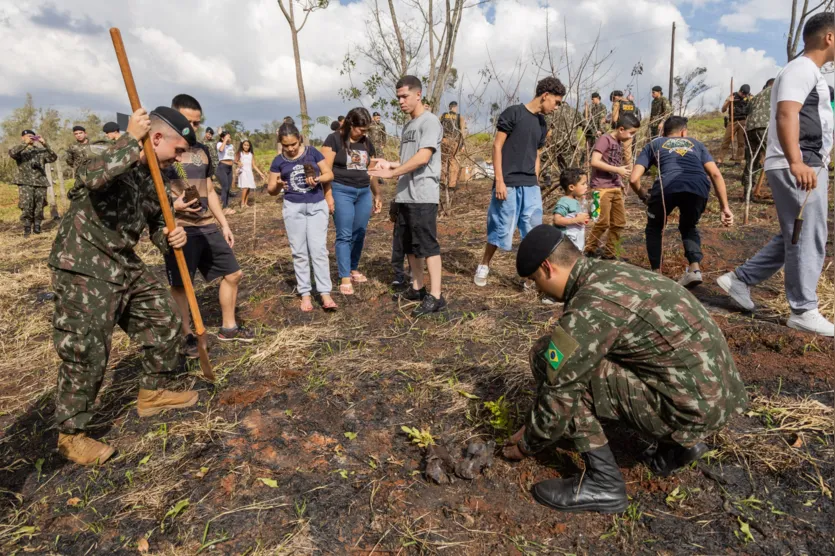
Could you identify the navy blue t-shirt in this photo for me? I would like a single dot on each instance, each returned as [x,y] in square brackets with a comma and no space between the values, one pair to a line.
[682,165]
[292,173]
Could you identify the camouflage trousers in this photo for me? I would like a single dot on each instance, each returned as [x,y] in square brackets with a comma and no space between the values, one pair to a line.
[614,393]
[450,167]
[31,201]
[755,138]
[86,311]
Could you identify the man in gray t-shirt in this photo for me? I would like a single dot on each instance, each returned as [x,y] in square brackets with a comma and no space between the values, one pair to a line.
[418,172]
[421,184]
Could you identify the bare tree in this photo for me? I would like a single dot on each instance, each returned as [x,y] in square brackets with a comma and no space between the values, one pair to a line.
[441,46]
[288,8]
[798,19]
[688,88]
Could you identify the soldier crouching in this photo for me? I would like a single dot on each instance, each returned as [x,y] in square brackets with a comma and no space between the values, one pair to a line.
[100,281]
[631,346]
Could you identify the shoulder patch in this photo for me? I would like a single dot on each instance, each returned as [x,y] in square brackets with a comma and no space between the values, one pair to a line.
[561,347]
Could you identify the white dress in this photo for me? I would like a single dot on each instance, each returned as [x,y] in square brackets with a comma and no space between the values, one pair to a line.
[245,179]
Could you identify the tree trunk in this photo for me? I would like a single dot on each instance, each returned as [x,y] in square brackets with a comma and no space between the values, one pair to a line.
[60,172]
[300,79]
[401,44]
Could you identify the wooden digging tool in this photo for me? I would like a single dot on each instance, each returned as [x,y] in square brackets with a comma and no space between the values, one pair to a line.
[153,165]
[798,222]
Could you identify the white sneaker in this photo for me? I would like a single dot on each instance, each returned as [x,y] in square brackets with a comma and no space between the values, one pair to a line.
[737,289]
[548,300]
[812,321]
[691,279]
[481,275]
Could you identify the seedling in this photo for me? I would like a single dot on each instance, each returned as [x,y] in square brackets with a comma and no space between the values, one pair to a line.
[422,438]
[744,533]
[175,510]
[500,419]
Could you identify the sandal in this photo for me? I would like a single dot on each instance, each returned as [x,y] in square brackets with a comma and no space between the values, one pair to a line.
[358,277]
[328,304]
[346,289]
[307,304]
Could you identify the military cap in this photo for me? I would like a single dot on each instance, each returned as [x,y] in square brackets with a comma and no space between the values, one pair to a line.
[177,121]
[536,247]
[657,89]
[27,132]
[110,127]
[453,103]
[78,128]
[376,114]
[745,89]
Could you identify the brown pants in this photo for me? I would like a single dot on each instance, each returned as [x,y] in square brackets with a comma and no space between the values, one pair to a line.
[627,153]
[612,218]
[450,167]
[738,150]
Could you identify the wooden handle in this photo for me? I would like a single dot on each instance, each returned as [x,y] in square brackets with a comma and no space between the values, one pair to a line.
[156,175]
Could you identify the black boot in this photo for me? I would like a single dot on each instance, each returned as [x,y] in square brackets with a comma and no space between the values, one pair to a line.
[599,489]
[37,228]
[27,231]
[666,458]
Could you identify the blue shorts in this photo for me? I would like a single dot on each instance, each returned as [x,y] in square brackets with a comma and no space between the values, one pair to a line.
[522,208]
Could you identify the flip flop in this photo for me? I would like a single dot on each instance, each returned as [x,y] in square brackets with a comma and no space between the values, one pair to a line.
[346,289]
[309,307]
[358,278]
[332,306]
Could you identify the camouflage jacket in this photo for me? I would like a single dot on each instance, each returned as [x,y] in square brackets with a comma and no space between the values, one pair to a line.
[647,324]
[31,164]
[660,110]
[77,153]
[377,136]
[760,111]
[597,116]
[112,202]
[563,124]
[211,147]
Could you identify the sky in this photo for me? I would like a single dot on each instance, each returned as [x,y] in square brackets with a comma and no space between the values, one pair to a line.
[236,57]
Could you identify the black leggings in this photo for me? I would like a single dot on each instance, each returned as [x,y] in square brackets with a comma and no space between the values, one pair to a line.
[224,176]
[690,208]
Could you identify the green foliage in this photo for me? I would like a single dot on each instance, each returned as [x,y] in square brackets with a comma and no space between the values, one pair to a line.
[500,415]
[744,532]
[422,438]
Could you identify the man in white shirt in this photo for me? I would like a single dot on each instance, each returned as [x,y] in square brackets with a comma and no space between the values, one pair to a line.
[799,143]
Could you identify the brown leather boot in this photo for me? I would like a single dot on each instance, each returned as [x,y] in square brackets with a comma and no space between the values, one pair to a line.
[152,402]
[82,450]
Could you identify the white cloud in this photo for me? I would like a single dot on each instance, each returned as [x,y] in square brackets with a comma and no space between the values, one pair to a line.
[746,15]
[239,54]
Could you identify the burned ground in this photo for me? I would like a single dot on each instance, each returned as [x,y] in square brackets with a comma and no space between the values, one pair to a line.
[299,447]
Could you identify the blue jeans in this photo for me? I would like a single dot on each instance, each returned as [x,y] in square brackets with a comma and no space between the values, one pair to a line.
[352,209]
[522,208]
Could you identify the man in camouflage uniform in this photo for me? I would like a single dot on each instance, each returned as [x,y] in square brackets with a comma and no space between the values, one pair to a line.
[756,127]
[631,346]
[377,134]
[621,106]
[31,156]
[660,110]
[99,280]
[78,151]
[111,131]
[741,102]
[454,131]
[594,122]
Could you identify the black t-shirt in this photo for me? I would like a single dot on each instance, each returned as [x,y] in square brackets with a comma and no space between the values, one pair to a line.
[350,166]
[526,134]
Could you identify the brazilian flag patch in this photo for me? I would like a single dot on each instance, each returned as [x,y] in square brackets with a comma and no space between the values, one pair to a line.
[554,355]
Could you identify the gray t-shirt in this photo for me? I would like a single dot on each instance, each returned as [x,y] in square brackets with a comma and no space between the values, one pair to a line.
[421,186]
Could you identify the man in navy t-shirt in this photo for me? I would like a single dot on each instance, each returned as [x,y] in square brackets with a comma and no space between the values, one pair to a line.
[685,172]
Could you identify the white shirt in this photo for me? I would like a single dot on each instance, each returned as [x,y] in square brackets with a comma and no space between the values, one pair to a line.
[228,153]
[801,81]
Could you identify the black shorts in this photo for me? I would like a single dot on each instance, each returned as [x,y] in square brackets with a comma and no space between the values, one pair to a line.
[207,252]
[420,229]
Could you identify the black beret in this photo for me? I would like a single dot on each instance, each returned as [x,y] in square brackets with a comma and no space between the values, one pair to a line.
[657,89]
[27,132]
[110,127]
[78,128]
[595,95]
[210,130]
[177,121]
[376,114]
[536,247]
[745,89]
[453,103]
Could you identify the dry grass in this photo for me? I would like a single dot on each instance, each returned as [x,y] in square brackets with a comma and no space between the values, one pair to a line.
[826,294]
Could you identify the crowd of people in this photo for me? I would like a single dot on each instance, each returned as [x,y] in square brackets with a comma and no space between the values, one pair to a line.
[626,336]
